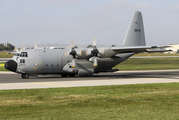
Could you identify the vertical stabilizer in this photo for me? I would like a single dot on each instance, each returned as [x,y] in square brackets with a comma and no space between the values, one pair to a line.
[135,34]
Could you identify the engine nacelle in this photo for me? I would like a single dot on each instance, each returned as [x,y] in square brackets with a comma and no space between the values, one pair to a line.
[86,53]
[83,68]
[106,52]
[69,69]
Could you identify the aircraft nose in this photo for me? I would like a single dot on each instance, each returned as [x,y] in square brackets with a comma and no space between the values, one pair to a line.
[11,65]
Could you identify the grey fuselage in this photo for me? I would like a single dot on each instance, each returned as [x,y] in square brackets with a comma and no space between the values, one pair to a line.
[52,61]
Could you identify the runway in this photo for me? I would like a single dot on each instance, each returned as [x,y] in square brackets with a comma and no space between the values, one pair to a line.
[9,80]
[4,59]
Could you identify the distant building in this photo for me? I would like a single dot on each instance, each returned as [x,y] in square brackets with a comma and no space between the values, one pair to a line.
[174,48]
[5,44]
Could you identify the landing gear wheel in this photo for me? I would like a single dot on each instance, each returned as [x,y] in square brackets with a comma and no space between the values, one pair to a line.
[71,75]
[81,75]
[64,75]
[25,76]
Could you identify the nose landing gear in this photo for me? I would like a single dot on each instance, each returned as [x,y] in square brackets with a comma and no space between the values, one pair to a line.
[25,76]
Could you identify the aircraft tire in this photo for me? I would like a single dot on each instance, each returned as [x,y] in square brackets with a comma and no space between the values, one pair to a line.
[25,76]
[64,75]
[71,75]
[84,75]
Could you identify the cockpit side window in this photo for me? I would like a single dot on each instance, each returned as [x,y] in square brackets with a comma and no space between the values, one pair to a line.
[17,54]
[26,54]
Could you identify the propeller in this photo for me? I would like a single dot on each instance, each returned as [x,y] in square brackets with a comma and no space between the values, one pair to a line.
[73,53]
[95,52]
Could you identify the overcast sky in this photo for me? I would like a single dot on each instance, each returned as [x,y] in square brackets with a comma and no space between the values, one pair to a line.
[59,21]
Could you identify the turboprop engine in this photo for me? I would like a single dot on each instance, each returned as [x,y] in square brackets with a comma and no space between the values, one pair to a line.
[84,61]
[86,53]
[83,68]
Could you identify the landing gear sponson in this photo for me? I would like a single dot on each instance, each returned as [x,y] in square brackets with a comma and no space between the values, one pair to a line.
[26,76]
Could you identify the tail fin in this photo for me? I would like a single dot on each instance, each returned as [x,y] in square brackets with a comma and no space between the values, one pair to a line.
[135,35]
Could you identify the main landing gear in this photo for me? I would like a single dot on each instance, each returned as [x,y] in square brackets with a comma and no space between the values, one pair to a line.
[25,76]
[68,75]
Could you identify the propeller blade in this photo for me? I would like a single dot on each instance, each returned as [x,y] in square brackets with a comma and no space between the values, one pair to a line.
[72,43]
[95,50]
[94,41]
[95,63]
[73,63]
[73,53]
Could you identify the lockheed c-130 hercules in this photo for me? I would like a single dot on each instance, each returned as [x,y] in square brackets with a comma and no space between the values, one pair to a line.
[82,62]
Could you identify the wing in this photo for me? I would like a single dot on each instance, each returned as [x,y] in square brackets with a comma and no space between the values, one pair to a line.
[138,49]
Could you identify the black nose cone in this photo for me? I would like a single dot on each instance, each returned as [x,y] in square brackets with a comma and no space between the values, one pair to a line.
[11,65]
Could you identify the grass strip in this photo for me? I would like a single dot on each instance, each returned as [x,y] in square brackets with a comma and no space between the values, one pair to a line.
[5,55]
[157,54]
[142,101]
[2,66]
[149,64]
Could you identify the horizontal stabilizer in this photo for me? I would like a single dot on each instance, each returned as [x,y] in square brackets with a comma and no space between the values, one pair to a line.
[158,50]
[138,49]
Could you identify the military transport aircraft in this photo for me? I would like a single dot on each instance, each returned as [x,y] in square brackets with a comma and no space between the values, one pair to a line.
[81,62]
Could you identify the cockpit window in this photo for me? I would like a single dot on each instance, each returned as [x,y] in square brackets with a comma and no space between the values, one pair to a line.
[23,54]
[17,54]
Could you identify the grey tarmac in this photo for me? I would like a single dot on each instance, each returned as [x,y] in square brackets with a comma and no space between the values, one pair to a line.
[9,80]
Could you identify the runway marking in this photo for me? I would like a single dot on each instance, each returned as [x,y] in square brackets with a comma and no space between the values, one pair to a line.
[7,72]
[52,84]
[1,65]
[166,79]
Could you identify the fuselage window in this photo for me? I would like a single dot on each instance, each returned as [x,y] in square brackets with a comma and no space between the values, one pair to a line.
[22,60]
